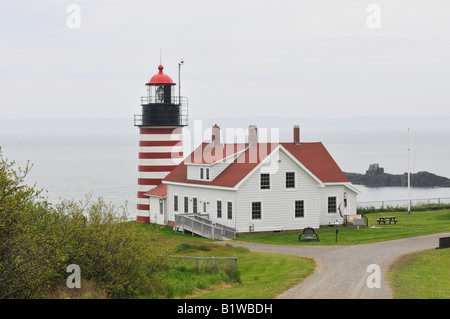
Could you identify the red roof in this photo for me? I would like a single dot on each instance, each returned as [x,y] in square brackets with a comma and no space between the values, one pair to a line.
[313,156]
[160,78]
[160,191]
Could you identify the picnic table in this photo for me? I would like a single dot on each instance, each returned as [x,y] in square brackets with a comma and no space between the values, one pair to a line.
[390,219]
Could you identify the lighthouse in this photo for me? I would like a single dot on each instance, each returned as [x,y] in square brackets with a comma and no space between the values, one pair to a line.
[163,116]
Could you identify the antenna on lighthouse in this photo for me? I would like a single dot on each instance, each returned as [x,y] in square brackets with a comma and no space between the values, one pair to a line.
[179,79]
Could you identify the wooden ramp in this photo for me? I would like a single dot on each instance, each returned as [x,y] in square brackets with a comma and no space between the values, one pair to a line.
[201,225]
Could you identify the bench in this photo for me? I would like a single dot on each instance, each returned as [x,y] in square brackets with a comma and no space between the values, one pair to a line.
[309,235]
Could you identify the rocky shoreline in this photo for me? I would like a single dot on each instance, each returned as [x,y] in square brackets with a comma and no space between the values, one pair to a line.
[376,177]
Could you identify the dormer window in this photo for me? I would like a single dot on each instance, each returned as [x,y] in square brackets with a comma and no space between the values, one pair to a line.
[204,173]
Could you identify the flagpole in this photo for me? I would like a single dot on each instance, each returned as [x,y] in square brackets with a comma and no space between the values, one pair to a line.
[409,180]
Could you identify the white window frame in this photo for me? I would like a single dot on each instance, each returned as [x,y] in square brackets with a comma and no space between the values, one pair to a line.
[186,204]
[299,200]
[295,181]
[195,208]
[328,204]
[260,184]
[176,203]
[232,209]
[221,208]
[261,210]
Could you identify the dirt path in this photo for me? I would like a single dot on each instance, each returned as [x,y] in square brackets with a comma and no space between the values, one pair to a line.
[342,270]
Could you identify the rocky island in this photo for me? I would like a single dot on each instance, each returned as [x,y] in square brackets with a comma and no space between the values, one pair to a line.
[376,177]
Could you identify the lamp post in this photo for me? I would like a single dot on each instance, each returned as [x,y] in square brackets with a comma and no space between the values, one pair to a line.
[337,229]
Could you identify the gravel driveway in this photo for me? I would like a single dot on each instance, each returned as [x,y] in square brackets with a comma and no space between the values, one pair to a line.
[342,270]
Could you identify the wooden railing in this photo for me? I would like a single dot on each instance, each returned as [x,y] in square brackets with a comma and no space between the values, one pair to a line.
[203,226]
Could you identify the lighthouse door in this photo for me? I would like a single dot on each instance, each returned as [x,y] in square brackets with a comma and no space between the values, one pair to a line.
[160,216]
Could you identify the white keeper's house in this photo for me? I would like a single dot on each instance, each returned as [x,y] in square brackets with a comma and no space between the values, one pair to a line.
[254,186]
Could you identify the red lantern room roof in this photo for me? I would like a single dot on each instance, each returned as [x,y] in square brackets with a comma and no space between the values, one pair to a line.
[160,78]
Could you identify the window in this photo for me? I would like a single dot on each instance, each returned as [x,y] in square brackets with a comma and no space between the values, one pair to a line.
[194,205]
[207,174]
[201,173]
[175,203]
[204,206]
[265,181]
[230,210]
[219,209]
[332,204]
[299,208]
[186,204]
[256,210]
[160,94]
[290,179]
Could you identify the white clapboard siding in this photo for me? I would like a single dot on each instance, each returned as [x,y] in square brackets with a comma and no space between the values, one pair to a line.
[193,171]
[210,196]
[278,203]
[327,218]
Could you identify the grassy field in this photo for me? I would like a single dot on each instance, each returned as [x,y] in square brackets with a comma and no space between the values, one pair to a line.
[416,224]
[422,275]
[265,275]
[260,275]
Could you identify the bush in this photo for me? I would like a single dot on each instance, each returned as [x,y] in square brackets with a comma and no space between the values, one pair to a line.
[29,260]
[39,240]
[110,251]
[183,247]
[204,247]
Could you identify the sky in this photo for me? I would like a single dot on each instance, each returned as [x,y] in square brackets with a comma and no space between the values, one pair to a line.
[305,59]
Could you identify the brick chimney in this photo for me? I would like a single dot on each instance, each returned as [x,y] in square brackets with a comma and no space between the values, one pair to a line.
[296,134]
[252,134]
[215,138]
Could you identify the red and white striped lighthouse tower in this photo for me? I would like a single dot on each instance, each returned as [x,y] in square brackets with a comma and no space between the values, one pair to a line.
[160,137]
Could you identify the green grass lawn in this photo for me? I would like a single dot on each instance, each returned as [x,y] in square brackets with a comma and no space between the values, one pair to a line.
[266,275]
[416,224]
[260,275]
[422,275]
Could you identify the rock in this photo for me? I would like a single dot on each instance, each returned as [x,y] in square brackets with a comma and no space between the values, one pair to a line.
[376,177]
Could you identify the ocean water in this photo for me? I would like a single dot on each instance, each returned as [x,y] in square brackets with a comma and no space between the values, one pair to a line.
[73,157]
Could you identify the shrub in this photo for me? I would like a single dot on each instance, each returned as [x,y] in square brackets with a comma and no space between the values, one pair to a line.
[183,247]
[204,247]
[39,240]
